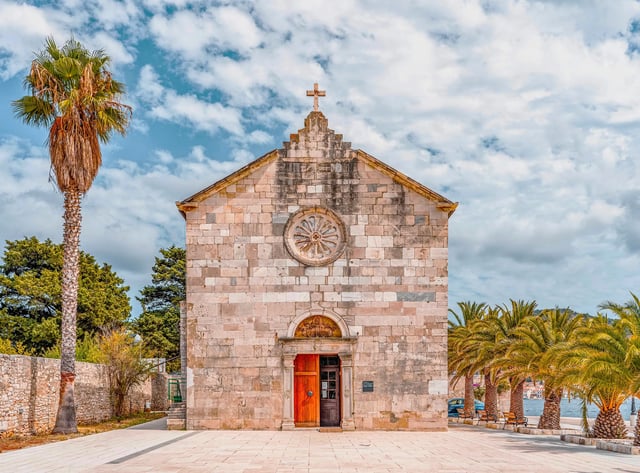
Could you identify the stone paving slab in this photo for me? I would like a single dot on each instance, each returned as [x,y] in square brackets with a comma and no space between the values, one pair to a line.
[461,449]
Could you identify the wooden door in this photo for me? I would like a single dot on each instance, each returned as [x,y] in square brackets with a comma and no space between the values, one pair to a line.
[306,399]
[329,391]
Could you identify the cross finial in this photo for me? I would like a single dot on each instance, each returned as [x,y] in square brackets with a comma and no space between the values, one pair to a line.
[315,93]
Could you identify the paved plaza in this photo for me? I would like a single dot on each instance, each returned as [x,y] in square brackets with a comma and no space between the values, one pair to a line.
[150,448]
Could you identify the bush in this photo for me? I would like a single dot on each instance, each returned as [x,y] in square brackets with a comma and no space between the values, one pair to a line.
[87,349]
[127,368]
[17,348]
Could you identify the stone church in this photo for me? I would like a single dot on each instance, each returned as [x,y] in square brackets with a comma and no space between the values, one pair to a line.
[316,292]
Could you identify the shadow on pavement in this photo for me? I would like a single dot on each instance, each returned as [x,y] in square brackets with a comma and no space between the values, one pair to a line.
[158,424]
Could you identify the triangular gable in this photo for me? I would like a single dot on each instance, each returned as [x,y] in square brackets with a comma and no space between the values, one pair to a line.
[442,202]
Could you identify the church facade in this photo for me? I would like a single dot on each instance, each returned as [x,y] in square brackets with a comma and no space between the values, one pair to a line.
[316,293]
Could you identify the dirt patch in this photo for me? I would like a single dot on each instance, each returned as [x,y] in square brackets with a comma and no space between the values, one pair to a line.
[15,442]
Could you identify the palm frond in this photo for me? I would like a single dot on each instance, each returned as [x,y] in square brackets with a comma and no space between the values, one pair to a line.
[74,94]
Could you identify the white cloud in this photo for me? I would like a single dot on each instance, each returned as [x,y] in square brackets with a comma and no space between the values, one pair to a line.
[128,214]
[113,47]
[191,33]
[164,156]
[23,28]
[160,5]
[198,114]
[527,112]
[31,205]
[116,13]
[187,110]
[149,88]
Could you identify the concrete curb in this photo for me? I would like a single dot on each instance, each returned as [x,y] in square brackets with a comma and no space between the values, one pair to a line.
[536,431]
[618,446]
[578,439]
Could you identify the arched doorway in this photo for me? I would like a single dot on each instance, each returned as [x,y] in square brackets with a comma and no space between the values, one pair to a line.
[317,356]
[317,377]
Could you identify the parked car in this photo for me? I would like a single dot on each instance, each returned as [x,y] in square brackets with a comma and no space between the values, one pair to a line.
[458,403]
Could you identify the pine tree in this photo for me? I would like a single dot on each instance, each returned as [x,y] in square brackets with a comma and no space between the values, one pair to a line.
[159,322]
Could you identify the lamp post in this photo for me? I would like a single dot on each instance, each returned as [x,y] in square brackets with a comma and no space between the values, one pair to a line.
[633,417]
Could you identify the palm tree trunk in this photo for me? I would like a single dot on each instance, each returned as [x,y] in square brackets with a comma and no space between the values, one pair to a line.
[490,396]
[550,418]
[469,398]
[609,425]
[636,434]
[66,416]
[516,403]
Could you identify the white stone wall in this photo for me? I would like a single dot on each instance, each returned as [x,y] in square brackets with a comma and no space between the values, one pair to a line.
[29,393]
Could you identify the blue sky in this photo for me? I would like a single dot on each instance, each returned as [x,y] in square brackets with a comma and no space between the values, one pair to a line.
[525,112]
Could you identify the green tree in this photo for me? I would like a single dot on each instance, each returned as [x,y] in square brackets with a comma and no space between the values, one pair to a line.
[159,322]
[87,349]
[74,95]
[483,347]
[601,372]
[31,295]
[511,318]
[538,349]
[462,360]
[490,341]
[125,364]
[629,314]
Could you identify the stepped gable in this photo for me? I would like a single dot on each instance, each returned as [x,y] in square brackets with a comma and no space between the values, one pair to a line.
[317,158]
[317,140]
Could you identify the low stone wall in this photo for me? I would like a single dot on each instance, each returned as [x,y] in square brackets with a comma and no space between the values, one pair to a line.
[29,392]
[159,395]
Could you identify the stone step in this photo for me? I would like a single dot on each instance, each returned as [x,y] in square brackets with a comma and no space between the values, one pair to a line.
[177,411]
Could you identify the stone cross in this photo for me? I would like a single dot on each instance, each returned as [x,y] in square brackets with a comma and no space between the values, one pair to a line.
[315,93]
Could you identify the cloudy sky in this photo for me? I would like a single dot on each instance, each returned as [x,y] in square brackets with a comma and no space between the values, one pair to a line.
[525,112]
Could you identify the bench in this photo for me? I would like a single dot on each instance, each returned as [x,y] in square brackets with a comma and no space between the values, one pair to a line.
[462,415]
[511,419]
[484,416]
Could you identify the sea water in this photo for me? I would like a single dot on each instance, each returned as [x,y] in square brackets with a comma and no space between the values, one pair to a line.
[573,408]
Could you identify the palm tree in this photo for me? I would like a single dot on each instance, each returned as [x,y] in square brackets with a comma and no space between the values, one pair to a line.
[511,318]
[599,368]
[629,314]
[462,362]
[483,347]
[538,349]
[73,94]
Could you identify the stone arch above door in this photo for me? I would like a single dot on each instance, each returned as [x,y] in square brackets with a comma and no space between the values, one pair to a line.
[335,322]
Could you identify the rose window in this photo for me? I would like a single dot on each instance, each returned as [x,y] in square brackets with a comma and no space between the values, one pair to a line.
[315,236]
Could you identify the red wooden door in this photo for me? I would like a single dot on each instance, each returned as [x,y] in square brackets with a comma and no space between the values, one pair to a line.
[306,398]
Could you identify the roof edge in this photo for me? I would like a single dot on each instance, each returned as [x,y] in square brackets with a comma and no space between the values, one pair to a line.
[442,202]
[191,202]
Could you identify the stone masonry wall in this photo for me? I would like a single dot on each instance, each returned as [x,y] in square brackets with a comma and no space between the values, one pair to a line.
[244,289]
[29,391]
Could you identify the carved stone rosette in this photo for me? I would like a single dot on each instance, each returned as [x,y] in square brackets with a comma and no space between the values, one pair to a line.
[315,236]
